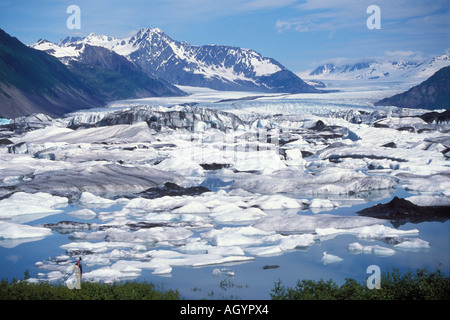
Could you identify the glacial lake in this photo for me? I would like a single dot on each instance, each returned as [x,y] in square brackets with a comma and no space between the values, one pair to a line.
[253,280]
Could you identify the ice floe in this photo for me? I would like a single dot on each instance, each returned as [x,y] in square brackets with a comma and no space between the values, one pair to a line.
[13,231]
[326,181]
[282,168]
[313,223]
[330,258]
[24,207]
[358,248]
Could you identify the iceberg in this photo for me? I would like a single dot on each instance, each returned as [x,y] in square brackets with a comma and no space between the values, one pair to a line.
[105,180]
[83,214]
[324,181]
[9,230]
[375,249]
[24,207]
[88,199]
[329,258]
[312,223]
[413,245]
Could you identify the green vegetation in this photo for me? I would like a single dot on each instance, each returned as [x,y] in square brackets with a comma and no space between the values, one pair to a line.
[420,285]
[23,290]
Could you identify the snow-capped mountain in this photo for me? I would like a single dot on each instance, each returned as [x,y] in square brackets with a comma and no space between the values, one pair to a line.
[395,70]
[110,74]
[219,67]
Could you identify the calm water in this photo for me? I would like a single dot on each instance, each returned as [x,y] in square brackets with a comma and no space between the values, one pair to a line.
[251,280]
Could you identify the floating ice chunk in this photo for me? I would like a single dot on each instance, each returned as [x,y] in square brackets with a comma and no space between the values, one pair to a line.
[83,214]
[265,250]
[160,234]
[100,179]
[322,203]
[39,198]
[235,236]
[196,246]
[329,258]
[436,184]
[238,216]
[294,158]
[88,198]
[295,241]
[9,230]
[307,223]
[97,247]
[263,160]
[413,245]
[329,180]
[233,239]
[366,232]
[24,207]
[225,271]
[24,212]
[281,244]
[293,154]
[318,205]
[109,275]
[226,208]
[98,259]
[161,270]
[377,250]
[425,200]
[202,247]
[165,203]
[163,258]
[55,275]
[380,231]
[138,132]
[193,207]
[181,165]
[276,202]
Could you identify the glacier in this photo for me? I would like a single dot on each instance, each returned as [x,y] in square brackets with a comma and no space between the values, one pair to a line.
[292,170]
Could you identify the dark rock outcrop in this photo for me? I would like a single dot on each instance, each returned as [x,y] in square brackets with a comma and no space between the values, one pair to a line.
[172,190]
[400,211]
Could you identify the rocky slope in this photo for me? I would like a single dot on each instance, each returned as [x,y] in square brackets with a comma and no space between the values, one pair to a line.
[434,93]
[32,81]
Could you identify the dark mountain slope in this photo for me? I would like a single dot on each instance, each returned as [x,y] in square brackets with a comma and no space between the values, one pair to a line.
[433,93]
[32,81]
[115,77]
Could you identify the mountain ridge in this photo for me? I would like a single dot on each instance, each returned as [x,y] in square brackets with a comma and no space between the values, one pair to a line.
[413,70]
[32,81]
[433,93]
[219,67]
[111,75]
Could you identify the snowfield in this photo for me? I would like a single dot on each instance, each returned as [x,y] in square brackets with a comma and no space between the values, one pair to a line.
[287,163]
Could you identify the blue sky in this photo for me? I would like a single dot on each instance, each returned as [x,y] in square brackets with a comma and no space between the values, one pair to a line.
[299,34]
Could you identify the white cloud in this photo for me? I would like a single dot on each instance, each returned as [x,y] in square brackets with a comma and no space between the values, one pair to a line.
[404,54]
[314,15]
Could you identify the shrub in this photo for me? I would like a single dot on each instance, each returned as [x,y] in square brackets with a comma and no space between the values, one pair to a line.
[23,290]
[420,285]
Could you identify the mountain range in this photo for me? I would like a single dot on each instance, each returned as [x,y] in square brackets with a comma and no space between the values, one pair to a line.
[87,72]
[433,93]
[219,67]
[414,70]
[111,75]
